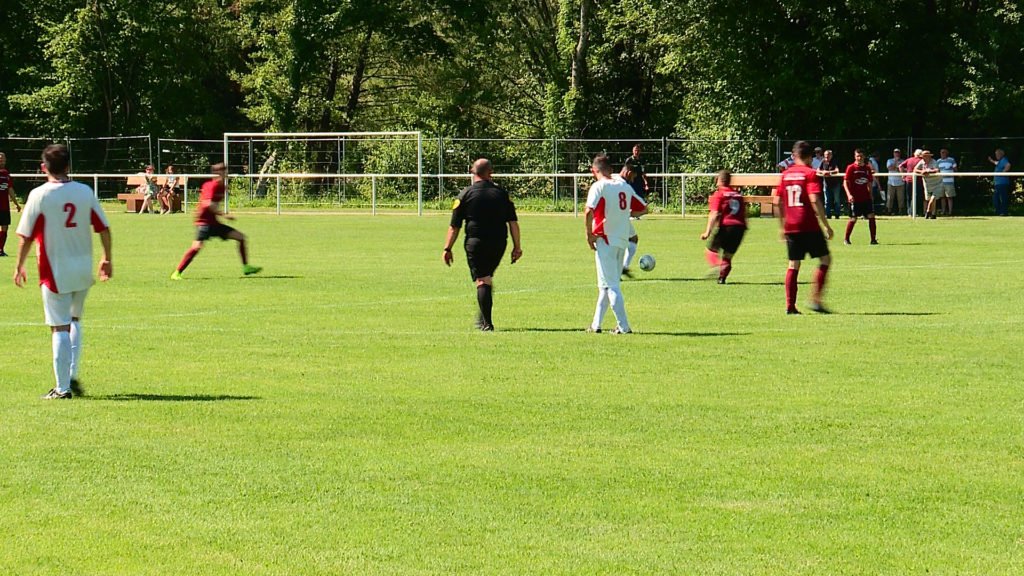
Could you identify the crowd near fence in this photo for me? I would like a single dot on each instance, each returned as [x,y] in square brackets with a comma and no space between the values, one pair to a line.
[411,171]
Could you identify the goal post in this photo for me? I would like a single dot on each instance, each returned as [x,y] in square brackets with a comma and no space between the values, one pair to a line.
[322,168]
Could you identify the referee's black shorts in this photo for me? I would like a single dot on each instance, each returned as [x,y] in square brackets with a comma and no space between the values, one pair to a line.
[862,209]
[727,239]
[206,231]
[800,244]
[483,256]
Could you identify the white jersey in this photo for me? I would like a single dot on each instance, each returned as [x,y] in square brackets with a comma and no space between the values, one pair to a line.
[60,217]
[612,200]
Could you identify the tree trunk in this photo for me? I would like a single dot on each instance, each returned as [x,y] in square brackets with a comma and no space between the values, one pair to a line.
[579,56]
[357,79]
[329,92]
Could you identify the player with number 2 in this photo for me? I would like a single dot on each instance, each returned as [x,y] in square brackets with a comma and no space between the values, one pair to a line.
[804,226]
[57,216]
[727,223]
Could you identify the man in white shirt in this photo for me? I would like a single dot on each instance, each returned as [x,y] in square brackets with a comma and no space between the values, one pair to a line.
[895,186]
[819,157]
[57,216]
[610,203]
[947,165]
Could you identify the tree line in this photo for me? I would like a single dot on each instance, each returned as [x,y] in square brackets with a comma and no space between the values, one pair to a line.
[714,69]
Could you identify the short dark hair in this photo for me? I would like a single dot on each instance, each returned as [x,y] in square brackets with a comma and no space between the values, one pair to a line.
[860,151]
[602,162]
[724,177]
[802,149]
[218,167]
[56,158]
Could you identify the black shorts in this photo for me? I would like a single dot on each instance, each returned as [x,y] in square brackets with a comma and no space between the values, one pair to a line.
[861,209]
[206,231]
[800,244]
[483,256]
[5,218]
[727,239]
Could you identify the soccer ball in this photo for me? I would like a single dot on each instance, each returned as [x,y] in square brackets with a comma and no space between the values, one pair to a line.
[647,262]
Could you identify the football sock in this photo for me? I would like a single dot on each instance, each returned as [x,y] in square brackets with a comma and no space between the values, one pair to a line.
[618,307]
[791,276]
[3,240]
[62,360]
[712,258]
[819,281]
[486,301]
[630,253]
[187,259]
[76,347]
[241,252]
[726,268]
[849,228]
[602,307]
[872,227]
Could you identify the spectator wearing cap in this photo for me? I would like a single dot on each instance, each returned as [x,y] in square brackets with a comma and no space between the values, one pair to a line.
[907,167]
[895,189]
[819,156]
[928,169]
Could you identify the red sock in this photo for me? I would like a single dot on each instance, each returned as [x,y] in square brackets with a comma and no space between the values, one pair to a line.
[712,258]
[849,229]
[819,281]
[723,273]
[187,259]
[871,226]
[3,240]
[791,275]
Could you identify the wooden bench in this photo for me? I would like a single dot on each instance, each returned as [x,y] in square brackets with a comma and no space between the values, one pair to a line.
[133,200]
[758,181]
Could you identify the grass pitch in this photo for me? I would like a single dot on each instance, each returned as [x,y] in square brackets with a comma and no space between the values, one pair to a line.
[338,414]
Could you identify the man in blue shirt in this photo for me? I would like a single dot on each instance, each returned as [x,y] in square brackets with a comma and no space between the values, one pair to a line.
[947,165]
[1001,198]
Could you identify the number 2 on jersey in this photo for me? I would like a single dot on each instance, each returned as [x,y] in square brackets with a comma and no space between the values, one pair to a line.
[70,209]
[793,191]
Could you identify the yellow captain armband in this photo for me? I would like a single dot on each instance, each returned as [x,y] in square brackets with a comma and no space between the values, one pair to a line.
[455,205]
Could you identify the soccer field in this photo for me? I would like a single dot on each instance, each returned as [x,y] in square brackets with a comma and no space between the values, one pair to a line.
[338,414]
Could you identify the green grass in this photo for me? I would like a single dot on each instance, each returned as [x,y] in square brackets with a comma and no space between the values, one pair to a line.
[338,415]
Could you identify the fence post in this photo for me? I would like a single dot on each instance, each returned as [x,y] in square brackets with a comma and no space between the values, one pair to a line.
[554,163]
[913,203]
[184,195]
[575,196]
[664,169]
[95,185]
[419,173]
[159,164]
[440,170]
[373,195]
[278,195]
[71,153]
[682,202]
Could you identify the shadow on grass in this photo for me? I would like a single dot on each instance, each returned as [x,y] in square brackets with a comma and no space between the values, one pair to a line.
[638,332]
[701,279]
[889,313]
[171,397]
[270,277]
[766,283]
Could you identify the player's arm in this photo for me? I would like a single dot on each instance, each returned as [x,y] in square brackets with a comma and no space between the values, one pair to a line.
[517,247]
[846,187]
[646,186]
[713,216]
[449,241]
[777,209]
[106,269]
[588,219]
[24,245]
[10,192]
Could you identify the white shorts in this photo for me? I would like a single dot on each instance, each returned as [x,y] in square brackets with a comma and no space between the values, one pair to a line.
[59,309]
[609,264]
[632,229]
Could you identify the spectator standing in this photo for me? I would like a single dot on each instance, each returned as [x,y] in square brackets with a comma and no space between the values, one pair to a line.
[1001,197]
[788,162]
[639,179]
[148,189]
[877,191]
[928,169]
[907,167]
[947,165]
[828,170]
[819,157]
[6,198]
[895,192]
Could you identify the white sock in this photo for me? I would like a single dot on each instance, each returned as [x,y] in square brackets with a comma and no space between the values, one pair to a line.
[76,347]
[619,308]
[630,253]
[62,360]
[602,307]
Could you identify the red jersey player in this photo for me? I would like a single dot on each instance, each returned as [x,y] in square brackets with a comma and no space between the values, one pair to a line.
[6,197]
[208,226]
[802,216]
[727,214]
[857,183]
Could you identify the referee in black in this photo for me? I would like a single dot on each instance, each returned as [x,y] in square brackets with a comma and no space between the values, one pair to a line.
[490,216]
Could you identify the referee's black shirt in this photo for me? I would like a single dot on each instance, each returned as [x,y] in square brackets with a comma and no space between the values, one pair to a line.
[486,209]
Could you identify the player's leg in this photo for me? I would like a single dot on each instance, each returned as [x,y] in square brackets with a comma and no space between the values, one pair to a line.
[615,297]
[850,224]
[77,308]
[730,244]
[3,240]
[232,234]
[819,284]
[601,257]
[796,251]
[57,311]
[485,300]
[872,227]
[190,255]
[634,240]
